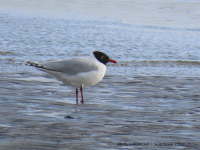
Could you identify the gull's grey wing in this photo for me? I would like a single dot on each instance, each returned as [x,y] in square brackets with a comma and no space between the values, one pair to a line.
[70,66]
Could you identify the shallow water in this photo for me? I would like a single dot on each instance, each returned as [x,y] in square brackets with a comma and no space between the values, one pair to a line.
[151,95]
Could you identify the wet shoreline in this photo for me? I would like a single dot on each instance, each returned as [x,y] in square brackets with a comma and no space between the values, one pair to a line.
[151,95]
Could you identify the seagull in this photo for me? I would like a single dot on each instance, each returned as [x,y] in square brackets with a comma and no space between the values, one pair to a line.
[77,71]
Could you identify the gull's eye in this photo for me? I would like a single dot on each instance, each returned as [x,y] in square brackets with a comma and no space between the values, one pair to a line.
[102,57]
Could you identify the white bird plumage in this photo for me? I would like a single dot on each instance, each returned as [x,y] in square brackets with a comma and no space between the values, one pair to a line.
[78,71]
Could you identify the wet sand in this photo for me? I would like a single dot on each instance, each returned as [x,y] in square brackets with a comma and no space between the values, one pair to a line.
[151,97]
[117,110]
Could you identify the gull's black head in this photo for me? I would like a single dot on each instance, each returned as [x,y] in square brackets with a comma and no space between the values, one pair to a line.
[103,58]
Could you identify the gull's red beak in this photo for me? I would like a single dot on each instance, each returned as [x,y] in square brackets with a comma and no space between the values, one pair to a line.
[112,60]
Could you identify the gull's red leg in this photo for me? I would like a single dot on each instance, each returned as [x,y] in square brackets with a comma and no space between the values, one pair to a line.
[81,89]
[76,95]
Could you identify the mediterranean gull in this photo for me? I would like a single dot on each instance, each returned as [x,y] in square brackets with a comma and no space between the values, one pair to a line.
[78,71]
